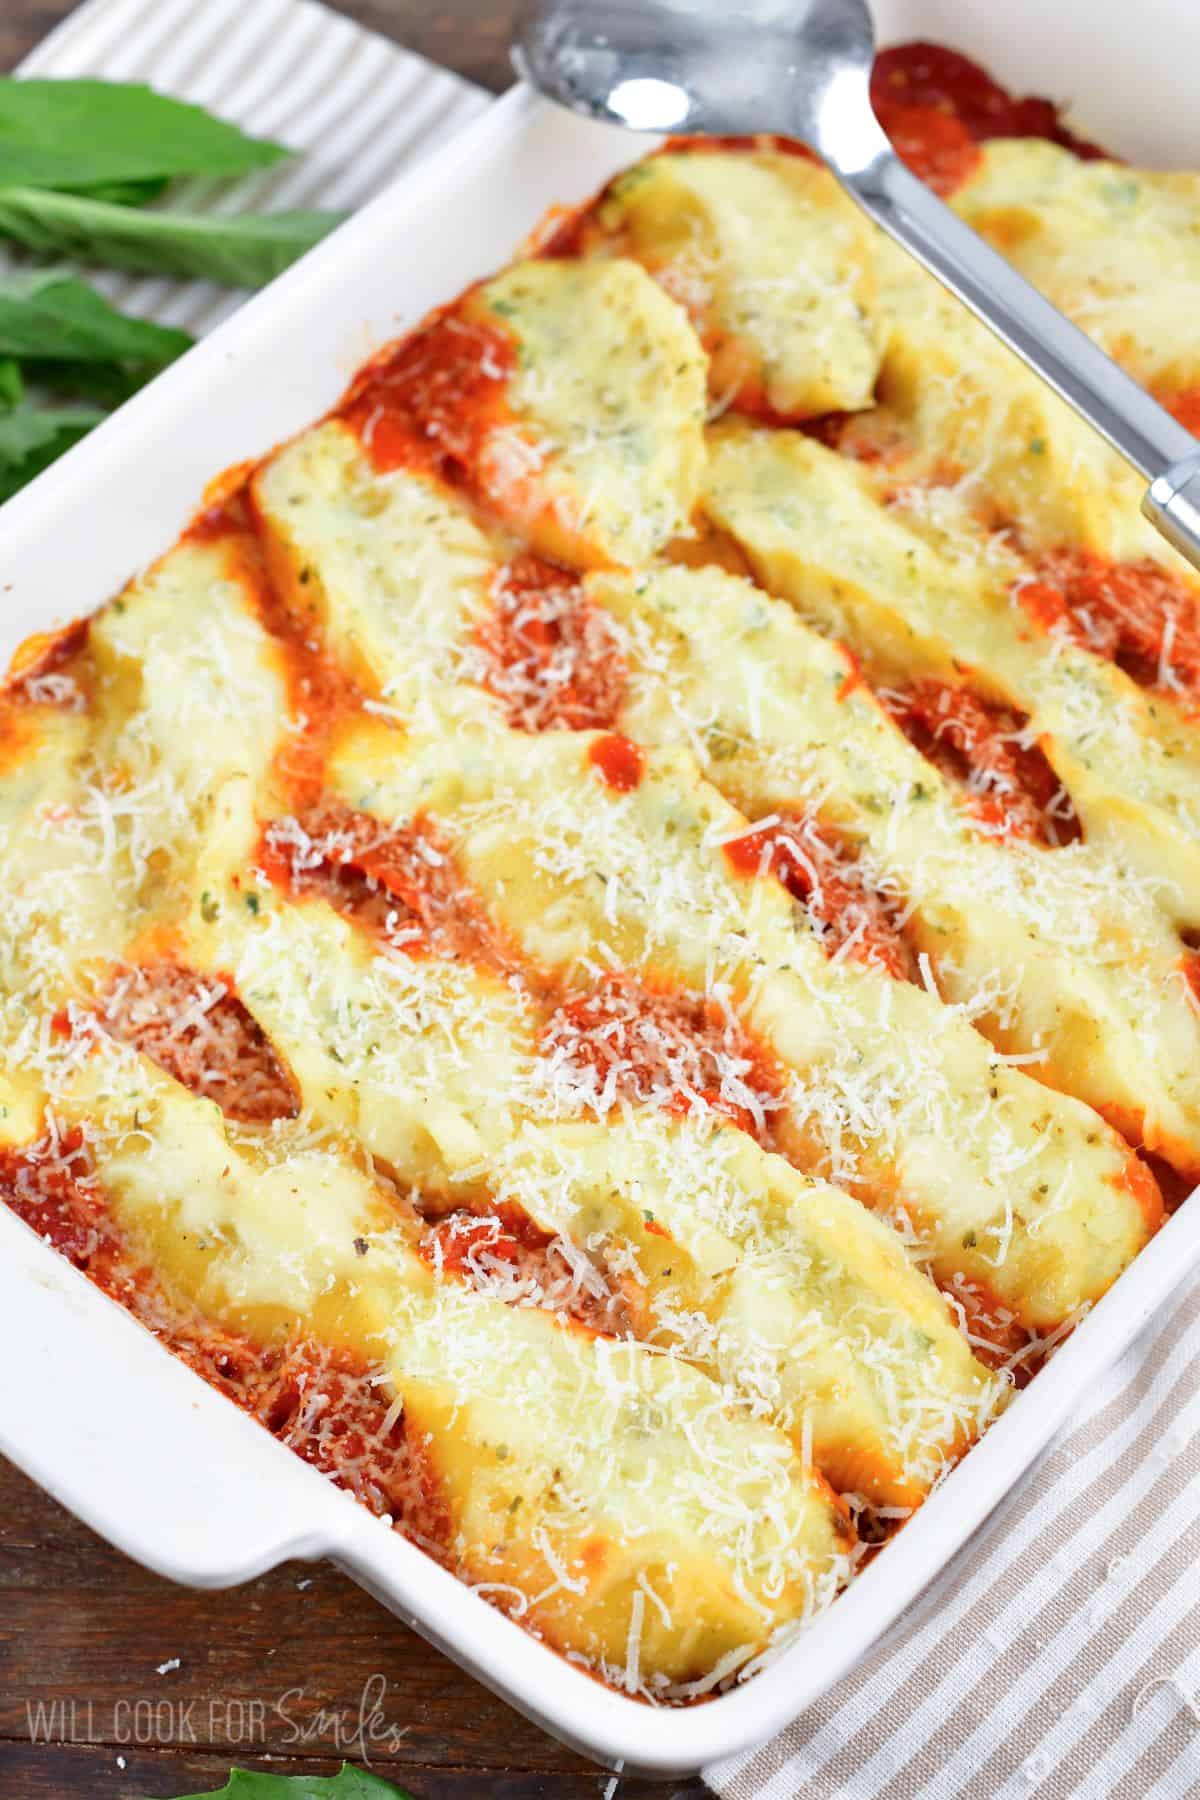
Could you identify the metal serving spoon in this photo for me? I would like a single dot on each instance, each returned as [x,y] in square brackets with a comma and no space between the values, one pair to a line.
[802,68]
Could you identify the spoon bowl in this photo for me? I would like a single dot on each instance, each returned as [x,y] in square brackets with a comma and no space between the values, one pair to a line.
[670,65]
[802,69]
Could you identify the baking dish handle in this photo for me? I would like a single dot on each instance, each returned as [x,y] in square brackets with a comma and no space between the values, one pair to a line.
[79,1368]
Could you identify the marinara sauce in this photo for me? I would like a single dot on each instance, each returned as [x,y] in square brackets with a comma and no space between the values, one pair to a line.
[1011,785]
[938,106]
[1137,614]
[849,915]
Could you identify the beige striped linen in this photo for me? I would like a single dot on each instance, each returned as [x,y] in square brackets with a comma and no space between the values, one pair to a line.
[1058,1655]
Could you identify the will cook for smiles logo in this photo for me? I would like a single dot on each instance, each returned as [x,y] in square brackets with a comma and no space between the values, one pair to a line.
[286,1720]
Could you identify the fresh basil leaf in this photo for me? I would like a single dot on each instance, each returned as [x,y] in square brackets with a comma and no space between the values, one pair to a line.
[61,134]
[108,384]
[32,438]
[238,250]
[49,314]
[348,1784]
[12,387]
[121,193]
[28,428]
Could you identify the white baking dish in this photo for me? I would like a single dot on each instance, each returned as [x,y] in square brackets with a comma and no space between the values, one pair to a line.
[94,1409]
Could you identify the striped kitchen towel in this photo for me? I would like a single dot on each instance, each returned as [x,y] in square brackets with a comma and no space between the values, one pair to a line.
[1058,1656]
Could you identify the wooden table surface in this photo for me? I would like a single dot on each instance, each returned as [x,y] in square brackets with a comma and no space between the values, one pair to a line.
[115,1684]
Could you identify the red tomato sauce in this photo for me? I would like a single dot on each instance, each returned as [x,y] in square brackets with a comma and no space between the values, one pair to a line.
[1185,407]
[1136,614]
[759,140]
[854,677]
[502,1253]
[1174,1185]
[560,232]
[627,1042]
[320,693]
[846,912]
[47,670]
[430,401]
[402,883]
[227,507]
[1012,787]
[323,1403]
[15,732]
[619,761]
[550,656]
[1138,1179]
[993,1330]
[331,1409]
[224,518]
[1190,969]
[196,1028]
[935,144]
[321,696]
[937,106]
[52,1187]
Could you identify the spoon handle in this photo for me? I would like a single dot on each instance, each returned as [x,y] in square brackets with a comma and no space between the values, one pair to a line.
[1110,400]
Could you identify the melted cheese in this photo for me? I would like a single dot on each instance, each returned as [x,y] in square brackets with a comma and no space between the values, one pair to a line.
[780,1285]
[105,826]
[1116,249]
[416,1055]
[1064,956]
[606,456]
[58,907]
[971,407]
[193,688]
[391,567]
[1006,1182]
[772,263]
[817,531]
[579,1472]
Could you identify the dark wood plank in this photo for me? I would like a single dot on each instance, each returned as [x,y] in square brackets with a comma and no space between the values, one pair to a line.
[59,1771]
[471,36]
[278,1668]
[287,1668]
[23,23]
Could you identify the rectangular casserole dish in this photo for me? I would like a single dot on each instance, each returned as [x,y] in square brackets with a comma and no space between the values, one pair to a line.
[131,1440]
